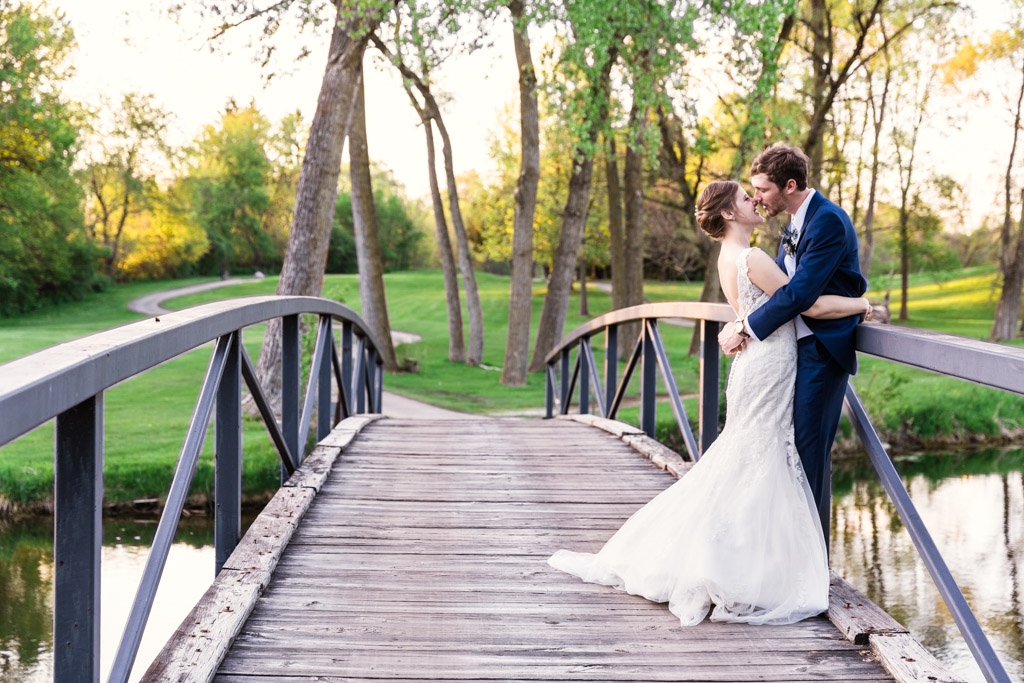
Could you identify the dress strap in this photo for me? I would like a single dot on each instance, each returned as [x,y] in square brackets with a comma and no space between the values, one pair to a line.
[741,261]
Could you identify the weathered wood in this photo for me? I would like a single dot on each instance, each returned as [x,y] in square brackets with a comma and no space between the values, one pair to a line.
[202,639]
[424,556]
[855,615]
[862,621]
[908,661]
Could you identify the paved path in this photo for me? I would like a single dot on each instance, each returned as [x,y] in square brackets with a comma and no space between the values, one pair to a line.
[395,405]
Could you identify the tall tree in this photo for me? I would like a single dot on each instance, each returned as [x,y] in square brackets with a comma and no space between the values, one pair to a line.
[877,105]
[591,66]
[456,340]
[119,178]
[369,253]
[317,191]
[520,299]
[1003,50]
[835,39]
[44,253]
[421,81]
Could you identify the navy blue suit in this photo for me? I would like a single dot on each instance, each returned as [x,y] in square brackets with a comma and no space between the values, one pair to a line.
[827,262]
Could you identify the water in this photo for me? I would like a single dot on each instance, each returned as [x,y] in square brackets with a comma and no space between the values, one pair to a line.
[973,504]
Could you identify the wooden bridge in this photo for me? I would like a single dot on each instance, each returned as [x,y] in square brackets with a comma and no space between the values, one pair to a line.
[422,555]
[416,549]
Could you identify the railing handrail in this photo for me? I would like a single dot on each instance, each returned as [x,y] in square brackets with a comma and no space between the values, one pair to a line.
[38,387]
[689,310]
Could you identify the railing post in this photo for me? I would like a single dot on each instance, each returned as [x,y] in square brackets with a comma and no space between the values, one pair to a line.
[227,457]
[323,383]
[346,364]
[291,370]
[371,379]
[710,382]
[563,407]
[611,367]
[549,391]
[584,361]
[78,540]
[379,384]
[359,380]
[648,384]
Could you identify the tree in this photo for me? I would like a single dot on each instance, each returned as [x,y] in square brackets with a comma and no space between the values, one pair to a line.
[1004,49]
[835,38]
[316,195]
[520,299]
[421,81]
[119,179]
[44,252]
[231,178]
[912,97]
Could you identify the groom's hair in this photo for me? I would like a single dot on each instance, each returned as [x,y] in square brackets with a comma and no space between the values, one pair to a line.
[782,163]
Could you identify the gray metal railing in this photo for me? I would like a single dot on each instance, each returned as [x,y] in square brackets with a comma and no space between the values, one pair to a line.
[68,381]
[992,365]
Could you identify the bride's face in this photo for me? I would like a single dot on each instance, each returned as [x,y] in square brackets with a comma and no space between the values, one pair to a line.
[745,211]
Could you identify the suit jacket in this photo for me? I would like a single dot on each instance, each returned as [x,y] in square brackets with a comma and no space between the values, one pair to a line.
[827,262]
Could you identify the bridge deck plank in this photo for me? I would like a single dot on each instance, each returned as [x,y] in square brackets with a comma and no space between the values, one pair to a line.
[424,558]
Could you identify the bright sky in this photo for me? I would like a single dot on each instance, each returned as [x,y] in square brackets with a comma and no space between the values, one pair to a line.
[130,46]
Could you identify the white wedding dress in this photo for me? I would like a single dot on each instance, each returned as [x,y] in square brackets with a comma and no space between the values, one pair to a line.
[740,530]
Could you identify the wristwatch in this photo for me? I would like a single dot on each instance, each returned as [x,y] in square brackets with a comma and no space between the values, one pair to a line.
[742,331]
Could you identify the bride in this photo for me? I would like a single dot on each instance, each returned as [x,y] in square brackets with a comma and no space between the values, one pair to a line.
[740,530]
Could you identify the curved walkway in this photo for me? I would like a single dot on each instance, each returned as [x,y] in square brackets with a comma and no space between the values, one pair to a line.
[395,405]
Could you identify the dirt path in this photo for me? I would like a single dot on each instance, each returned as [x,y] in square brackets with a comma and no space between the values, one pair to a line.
[395,405]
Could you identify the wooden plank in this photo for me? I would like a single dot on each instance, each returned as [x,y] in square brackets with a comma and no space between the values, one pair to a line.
[908,661]
[855,615]
[423,557]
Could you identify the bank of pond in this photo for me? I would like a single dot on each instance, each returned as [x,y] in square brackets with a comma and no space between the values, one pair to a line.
[972,502]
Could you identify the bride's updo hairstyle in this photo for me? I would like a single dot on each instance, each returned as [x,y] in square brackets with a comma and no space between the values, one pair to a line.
[717,197]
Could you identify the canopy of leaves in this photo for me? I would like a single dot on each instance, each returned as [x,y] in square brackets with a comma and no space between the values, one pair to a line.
[44,255]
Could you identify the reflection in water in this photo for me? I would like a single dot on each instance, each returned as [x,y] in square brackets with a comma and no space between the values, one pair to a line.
[973,505]
[26,591]
[977,522]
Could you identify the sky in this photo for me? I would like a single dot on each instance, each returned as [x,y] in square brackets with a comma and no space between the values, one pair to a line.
[127,46]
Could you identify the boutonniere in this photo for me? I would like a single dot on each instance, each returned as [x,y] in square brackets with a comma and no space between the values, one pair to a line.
[789,240]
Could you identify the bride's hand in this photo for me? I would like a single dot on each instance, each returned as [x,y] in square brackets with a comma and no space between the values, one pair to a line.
[866,315]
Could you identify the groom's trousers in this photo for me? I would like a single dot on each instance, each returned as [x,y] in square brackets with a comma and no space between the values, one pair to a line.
[817,407]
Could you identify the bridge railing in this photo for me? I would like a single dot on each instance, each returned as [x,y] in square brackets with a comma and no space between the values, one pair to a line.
[68,381]
[985,363]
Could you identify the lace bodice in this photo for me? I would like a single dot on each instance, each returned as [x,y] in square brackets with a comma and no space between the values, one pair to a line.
[751,297]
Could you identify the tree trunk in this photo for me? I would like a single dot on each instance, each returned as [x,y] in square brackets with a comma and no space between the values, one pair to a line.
[877,116]
[904,261]
[615,231]
[369,254]
[520,298]
[584,303]
[456,342]
[1012,295]
[475,349]
[632,185]
[563,265]
[317,193]
[1011,260]
[473,310]
[820,59]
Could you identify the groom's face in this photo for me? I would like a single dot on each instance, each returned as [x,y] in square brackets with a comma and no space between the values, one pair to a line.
[768,195]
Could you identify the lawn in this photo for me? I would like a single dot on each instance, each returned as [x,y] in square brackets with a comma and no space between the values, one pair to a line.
[146,416]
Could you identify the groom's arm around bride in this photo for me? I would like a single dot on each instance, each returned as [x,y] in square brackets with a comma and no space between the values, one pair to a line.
[821,256]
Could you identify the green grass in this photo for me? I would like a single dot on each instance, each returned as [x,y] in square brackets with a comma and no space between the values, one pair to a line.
[147,415]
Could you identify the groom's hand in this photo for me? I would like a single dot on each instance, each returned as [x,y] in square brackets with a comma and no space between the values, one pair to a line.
[730,340]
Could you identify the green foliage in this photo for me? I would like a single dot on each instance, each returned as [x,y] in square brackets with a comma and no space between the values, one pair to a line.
[402,238]
[229,179]
[44,255]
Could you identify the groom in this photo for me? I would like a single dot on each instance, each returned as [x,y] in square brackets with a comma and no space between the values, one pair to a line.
[820,254]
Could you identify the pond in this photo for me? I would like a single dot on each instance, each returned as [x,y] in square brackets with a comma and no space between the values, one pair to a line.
[973,504]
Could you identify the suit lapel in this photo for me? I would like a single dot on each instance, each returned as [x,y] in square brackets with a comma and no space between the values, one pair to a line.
[817,201]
